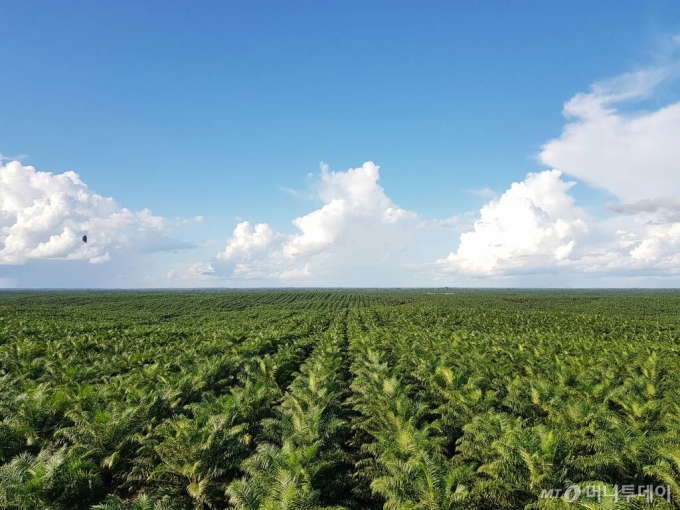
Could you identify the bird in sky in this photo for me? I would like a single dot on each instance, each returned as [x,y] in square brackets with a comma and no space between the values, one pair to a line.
[85,238]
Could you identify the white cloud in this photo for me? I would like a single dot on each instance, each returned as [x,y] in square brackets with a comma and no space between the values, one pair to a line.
[640,248]
[633,154]
[292,274]
[533,224]
[248,240]
[355,223]
[198,272]
[347,196]
[661,246]
[536,227]
[44,216]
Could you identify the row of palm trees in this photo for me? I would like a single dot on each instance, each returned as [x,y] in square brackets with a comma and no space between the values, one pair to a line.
[403,454]
[301,463]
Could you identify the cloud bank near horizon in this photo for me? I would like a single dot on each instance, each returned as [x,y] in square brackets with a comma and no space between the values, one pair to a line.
[356,225]
[43,217]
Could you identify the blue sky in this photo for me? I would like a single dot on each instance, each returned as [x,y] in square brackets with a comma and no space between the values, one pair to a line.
[217,111]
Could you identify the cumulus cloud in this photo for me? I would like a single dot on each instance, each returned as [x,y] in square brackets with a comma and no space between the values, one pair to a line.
[356,221]
[536,227]
[248,240]
[638,248]
[660,247]
[44,216]
[633,154]
[347,196]
[534,224]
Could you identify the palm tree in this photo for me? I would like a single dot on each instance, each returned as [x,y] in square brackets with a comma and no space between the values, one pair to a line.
[53,479]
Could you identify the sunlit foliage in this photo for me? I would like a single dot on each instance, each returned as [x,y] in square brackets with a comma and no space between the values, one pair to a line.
[416,400]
